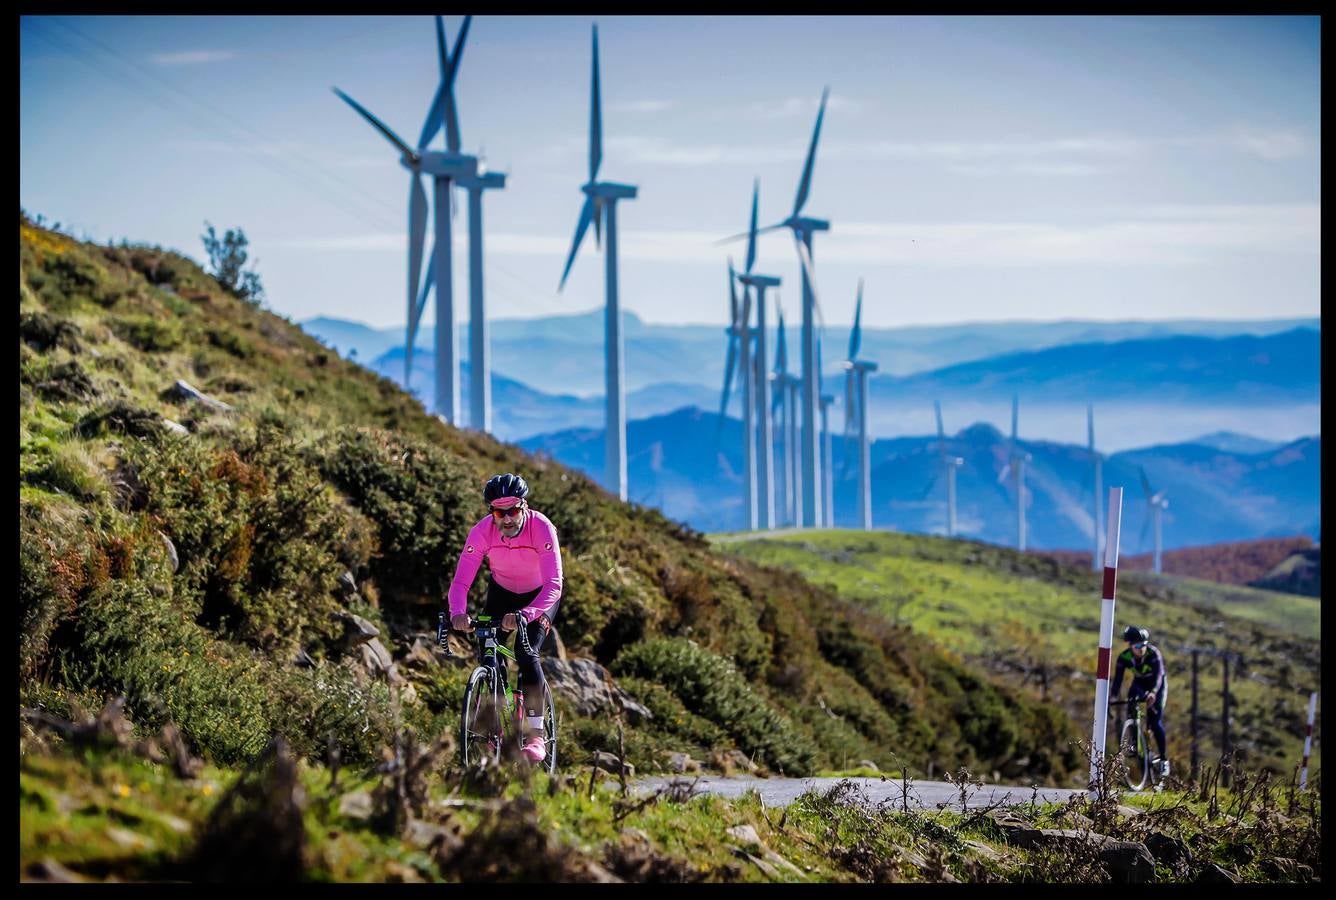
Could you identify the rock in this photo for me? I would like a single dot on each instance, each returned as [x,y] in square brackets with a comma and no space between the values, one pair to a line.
[357,630]
[425,653]
[357,805]
[1211,873]
[175,427]
[747,835]
[425,835]
[1282,868]
[608,763]
[375,657]
[347,585]
[128,840]
[982,849]
[1128,812]
[407,693]
[1170,852]
[1018,832]
[1128,862]
[184,391]
[589,688]
[303,659]
[681,762]
[171,552]
[732,760]
[51,871]
[399,873]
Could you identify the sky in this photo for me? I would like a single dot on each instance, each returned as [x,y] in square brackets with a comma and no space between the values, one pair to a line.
[972,168]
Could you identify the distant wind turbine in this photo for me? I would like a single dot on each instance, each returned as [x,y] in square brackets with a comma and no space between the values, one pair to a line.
[1015,467]
[1156,504]
[739,359]
[947,466]
[855,391]
[600,208]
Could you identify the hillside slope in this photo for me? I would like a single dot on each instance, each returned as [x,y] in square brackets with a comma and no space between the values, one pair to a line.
[201,557]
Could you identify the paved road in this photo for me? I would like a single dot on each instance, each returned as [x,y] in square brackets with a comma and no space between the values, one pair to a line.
[922,794]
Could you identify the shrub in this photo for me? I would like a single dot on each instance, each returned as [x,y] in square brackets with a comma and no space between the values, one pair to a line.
[73,470]
[421,499]
[713,686]
[54,548]
[147,333]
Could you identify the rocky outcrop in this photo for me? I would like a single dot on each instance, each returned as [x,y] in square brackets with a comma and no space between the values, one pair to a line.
[588,689]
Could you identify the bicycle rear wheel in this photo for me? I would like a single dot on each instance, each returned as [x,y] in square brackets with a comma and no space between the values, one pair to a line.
[479,723]
[1135,753]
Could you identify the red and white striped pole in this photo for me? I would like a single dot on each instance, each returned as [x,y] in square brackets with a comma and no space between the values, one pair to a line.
[1105,658]
[1308,740]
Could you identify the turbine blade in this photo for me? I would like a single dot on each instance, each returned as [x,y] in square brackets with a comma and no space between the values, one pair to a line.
[751,232]
[729,365]
[1090,426]
[856,334]
[1141,541]
[440,48]
[586,213]
[927,489]
[732,294]
[781,354]
[598,224]
[595,118]
[417,233]
[451,111]
[1145,484]
[379,126]
[747,234]
[850,403]
[941,432]
[806,183]
[427,284]
[1002,476]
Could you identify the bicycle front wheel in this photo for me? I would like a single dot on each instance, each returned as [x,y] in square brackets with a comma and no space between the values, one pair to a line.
[550,733]
[1135,755]
[479,724]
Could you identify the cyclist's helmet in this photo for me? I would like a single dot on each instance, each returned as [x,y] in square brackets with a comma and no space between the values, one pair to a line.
[506,485]
[1135,634]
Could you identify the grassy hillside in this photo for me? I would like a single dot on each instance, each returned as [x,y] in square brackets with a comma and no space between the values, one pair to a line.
[1236,562]
[1036,619]
[319,468]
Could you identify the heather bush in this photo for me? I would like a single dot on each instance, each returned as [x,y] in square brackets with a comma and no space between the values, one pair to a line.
[715,688]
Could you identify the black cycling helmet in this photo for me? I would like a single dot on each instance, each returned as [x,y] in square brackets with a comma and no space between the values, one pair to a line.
[1135,634]
[506,485]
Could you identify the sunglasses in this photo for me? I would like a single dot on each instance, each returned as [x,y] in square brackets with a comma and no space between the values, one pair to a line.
[1139,645]
[507,512]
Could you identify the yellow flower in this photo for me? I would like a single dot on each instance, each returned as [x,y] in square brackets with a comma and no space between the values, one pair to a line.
[123,790]
[207,790]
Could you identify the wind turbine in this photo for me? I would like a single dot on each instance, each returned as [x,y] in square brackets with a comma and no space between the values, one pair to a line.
[803,228]
[600,207]
[786,390]
[443,168]
[1015,466]
[1097,562]
[948,464]
[1157,504]
[739,334]
[855,393]
[827,481]
[765,478]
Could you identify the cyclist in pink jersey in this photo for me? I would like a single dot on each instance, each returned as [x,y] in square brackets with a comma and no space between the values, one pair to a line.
[524,563]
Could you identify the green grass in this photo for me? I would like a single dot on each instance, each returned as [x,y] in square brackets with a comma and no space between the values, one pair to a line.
[1015,612]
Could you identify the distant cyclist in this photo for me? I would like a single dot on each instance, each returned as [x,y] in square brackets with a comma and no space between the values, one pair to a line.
[1150,682]
[524,562]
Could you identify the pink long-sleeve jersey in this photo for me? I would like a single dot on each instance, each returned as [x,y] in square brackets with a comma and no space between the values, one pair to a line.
[530,560]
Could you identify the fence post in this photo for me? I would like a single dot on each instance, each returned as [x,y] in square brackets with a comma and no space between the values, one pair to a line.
[1196,760]
[1308,740]
[1103,660]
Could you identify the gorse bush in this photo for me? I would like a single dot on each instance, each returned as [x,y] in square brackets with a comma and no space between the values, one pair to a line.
[421,501]
[258,532]
[713,686]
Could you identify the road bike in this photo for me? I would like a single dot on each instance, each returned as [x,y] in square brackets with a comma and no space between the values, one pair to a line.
[1134,747]
[493,715]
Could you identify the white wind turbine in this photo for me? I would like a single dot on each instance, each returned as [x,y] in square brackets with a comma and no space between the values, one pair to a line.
[1015,467]
[1156,504]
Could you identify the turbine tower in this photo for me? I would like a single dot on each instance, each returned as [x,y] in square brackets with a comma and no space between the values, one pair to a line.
[600,207]
[827,481]
[1097,562]
[803,228]
[765,458]
[786,389]
[949,465]
[855,392]
[739,334]
[1156,505]
[1015,466]
[451,165]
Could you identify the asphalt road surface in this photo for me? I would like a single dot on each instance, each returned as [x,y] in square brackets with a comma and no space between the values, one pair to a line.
[922,794]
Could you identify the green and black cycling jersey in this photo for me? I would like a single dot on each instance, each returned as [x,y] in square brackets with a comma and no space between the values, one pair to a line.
[1148,674]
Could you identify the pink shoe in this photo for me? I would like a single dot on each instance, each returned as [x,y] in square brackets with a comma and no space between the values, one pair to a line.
[534,749]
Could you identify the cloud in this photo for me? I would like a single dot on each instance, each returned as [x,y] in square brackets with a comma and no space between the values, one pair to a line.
[191,57]
[1270,145]
[643,106]
[802,106]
